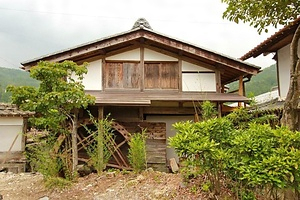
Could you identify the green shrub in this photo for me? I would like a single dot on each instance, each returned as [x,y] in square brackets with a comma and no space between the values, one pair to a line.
[242,151]
[101,148]
[137,151]
[41,158]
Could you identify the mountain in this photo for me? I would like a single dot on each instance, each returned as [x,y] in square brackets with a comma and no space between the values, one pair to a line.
[259,84]
[14,77]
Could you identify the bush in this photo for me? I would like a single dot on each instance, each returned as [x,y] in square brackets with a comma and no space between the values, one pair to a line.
[101,148]
[137,152]
[245,152]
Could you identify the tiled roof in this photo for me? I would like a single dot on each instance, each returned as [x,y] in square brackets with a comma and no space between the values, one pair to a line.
[13,110]
[274,42]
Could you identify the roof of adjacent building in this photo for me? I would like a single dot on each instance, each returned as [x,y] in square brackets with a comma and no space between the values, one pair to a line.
[13,110]
[142,34]
[278,40]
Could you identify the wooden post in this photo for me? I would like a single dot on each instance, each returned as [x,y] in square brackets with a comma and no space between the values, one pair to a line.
[74,142]
[142,68]
[100,138]
[218,81]
[180,75]
[241,89]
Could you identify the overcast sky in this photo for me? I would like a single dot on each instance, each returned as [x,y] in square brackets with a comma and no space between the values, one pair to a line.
[32,28]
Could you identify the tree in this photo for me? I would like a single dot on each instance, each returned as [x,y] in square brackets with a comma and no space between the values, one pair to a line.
[56,101]
[262,14]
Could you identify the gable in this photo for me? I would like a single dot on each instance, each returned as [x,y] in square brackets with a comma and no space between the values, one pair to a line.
[128,55]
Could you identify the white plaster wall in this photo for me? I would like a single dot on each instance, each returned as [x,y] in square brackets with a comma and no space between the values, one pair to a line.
[10,128]
[133,55]
[169,120]
[199,82]
[150,55]
[284,69]
[93,79]
[186,66]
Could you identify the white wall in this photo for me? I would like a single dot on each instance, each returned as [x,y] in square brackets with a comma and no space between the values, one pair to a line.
[198,82]
[186,66]
[283,65]
[11,128]
[93,79]
[133,55]
[169,120]
[150,55]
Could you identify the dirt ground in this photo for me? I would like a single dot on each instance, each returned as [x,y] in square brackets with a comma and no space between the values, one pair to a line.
[108,186]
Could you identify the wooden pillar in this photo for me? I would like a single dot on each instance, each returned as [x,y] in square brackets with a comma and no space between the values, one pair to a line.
[180,75]
[241,88]
[100,112]
[74,142]
[103,74]
[142,68]
[141,114]
[24,130]
[218,81]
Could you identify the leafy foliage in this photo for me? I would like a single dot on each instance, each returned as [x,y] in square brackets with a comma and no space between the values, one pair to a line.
[261,14]
[137,151]
[246,152]
[54,102]
[100,149]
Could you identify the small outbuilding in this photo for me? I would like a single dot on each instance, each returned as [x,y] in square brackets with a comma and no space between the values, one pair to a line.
[12,143]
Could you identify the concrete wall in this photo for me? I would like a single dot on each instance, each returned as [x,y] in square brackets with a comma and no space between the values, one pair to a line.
[11,128]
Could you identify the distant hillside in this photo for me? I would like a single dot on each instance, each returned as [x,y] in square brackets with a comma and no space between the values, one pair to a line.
[261,83]
[13,77]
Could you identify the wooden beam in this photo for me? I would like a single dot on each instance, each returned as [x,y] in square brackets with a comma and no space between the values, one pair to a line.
[168,110]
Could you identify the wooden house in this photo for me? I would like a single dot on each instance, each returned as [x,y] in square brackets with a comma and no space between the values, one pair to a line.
[12,143]
[279,45]
[145,79]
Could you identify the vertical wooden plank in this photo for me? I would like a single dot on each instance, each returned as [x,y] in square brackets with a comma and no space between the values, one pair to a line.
[152,76]
[180,75]
[165,74]
[131,77]
[218,81]
[142,68]
[126,75]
